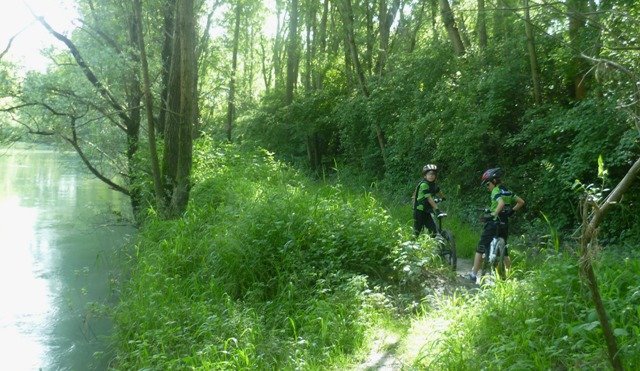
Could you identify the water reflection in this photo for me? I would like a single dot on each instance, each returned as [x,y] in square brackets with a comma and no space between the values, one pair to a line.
[57,257]
[25,296]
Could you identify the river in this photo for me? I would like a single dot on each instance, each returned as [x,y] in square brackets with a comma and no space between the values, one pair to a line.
[60,261]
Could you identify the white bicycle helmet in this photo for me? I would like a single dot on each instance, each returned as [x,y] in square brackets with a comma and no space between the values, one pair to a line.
[429,167]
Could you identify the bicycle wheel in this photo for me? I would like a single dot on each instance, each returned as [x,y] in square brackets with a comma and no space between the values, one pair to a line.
[499,265]
[448,251]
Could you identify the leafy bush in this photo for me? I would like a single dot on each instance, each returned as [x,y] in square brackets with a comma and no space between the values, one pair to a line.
[565,146]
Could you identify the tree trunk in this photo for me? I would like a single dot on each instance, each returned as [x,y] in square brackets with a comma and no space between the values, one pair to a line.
[314,151]
[434,18]
[188,97]
[352,48]
[367,58]
[134,97]
[576,10]
[348,63]
[292,53]
[248,74]
[416,29]
[499,20]
[386,17]
[231,105]
[178,148]
[321,41]
[482,25]
[466,41]
[277,47]
[167,42]
[266,68]
[450,25]
[153,152]
[311,46]
[533,57]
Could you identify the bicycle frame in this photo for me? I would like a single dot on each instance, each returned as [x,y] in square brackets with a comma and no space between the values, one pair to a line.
[446,242]
[494,258]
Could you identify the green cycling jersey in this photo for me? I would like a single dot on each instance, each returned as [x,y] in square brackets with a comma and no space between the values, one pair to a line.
[501,192]
[424,191]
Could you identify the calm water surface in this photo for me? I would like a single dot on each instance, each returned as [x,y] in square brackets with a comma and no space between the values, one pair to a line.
[60,260]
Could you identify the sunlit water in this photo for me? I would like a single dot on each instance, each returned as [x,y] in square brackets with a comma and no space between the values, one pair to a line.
[59,261]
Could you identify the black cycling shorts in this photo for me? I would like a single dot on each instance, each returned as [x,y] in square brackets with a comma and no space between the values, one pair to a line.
[422,220]
[489,231]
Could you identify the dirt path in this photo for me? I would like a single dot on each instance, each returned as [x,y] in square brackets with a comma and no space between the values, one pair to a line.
[386,346]
[464,266]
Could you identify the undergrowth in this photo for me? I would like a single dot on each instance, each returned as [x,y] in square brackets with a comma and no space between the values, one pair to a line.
[267,270]
[543,321]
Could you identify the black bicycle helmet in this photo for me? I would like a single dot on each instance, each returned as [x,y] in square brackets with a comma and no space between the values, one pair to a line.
[490,175]
[429,167]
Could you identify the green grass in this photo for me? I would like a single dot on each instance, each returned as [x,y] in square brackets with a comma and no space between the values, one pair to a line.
[543,321]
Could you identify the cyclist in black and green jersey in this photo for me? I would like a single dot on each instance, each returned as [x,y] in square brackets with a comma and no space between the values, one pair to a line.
[504,204]
[423,202]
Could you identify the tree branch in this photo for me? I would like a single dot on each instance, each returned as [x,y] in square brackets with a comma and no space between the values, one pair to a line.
[93,79]
[74,143]
[616,195]
[6,50]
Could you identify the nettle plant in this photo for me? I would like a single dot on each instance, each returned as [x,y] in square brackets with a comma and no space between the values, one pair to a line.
[412,259]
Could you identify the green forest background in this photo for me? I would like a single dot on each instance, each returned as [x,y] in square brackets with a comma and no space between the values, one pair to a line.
[270,151]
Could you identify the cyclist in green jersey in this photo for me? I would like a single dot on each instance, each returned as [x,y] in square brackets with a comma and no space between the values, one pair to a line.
[423,201]
[504,204]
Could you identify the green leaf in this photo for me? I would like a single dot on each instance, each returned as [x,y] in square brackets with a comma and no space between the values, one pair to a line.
[590,326]
[600,167]
[602,172]
[620,332]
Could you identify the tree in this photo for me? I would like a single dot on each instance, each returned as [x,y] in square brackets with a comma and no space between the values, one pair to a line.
[533,57]
[481,25]
[593,212]
[450,25]
[181,101]
[90,104]
[386,17]
[278,44]
[292,53]
[576,10]
[148,100]
[126,115]
[231,109]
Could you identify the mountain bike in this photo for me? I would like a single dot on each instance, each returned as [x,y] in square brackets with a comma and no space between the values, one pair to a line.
[446,243]
[494,263]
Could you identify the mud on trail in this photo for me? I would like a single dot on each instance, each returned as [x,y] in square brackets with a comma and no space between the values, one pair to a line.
[386,348]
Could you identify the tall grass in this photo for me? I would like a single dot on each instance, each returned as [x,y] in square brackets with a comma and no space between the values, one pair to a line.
[264,271]
[543,321]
